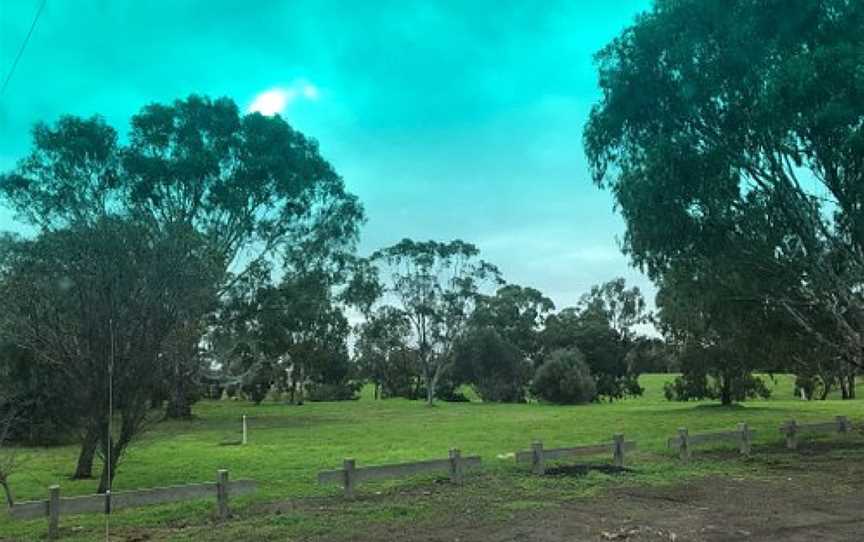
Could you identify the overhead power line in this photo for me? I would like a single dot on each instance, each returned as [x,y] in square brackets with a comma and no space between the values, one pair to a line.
[23,46]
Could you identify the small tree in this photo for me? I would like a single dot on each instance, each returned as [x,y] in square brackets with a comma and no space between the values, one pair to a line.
[496,368]
[436,285]
[564,378]
[587,329]
[723,338]
[383,355]
[706,377]
[517,314]
[97,302]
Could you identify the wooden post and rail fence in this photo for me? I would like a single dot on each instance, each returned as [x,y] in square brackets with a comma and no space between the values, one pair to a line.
[55,505]
[792,429]
[684,441]
[349,476]
[538,456]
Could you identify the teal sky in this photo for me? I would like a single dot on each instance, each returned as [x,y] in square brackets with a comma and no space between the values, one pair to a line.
[448,119]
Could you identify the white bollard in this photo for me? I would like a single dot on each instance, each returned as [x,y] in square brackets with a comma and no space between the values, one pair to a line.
[244,429]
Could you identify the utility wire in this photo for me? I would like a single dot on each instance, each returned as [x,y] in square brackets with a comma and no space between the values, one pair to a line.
[23,46]
[108,503]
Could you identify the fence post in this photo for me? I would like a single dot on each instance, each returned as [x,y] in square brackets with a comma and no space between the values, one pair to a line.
[618,451]
[791,430]
[684,440]
[456,473]
[538,464]
[348,466]
[244,429]
[53,512]
[842,424]
[222,493]
[746,442]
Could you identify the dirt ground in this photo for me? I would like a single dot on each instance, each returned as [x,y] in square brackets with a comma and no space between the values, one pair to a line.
[818,499]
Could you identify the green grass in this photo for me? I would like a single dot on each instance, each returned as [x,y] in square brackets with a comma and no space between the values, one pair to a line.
[288,445]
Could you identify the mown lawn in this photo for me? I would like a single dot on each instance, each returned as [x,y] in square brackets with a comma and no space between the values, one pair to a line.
[288,445]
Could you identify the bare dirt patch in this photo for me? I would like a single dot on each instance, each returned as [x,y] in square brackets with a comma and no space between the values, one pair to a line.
[824,500]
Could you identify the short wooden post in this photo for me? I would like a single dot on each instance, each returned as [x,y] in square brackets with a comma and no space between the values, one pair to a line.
[538,463]
[348,466]
[53,512]
[745,440]
[791,430]
[222,494]
[244,429]
[456,472]
[684,441]
[618,451]
[843,425]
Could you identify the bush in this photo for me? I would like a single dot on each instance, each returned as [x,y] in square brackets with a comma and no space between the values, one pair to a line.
[347,391]
[564,378]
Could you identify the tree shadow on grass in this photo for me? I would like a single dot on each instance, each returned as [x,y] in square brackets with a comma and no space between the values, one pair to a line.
[583,469]
[718,409]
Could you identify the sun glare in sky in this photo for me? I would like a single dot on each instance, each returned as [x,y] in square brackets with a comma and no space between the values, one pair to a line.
[272,101]
[275,100]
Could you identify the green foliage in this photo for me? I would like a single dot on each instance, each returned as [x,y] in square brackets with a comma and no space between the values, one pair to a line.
[45,411]
[495,367]
[652,355]
[436,285]
[142,237]
[732,145]
[589,329]
[383,355]
[704,377]
[564,378]
[517,314]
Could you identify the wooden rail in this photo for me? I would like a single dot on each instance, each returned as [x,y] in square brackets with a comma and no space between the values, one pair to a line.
[55,506]
[684,441]
[792,429]
[349,475]
[538,456]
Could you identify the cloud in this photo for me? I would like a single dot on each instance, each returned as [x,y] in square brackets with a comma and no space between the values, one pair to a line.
[275,100]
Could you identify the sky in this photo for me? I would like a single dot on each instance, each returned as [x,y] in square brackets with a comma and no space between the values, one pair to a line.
[448,119]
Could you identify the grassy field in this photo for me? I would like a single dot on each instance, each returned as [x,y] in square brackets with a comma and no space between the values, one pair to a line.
[288,445]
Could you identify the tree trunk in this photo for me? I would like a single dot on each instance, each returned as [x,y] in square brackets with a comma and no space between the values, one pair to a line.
[852,385]
[825,391]
[10,500]
[725,391]
[430,386]
[104,483]
[430,393]
[179,407]
[84,469]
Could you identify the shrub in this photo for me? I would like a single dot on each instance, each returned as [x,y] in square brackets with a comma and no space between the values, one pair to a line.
[347,391]
[564,378]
